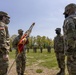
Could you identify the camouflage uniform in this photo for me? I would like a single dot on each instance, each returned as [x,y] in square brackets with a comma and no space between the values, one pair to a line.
[48,48]
[4,44]
[59,51]
[21,59]
[69,29]
[41,49]
[35,47]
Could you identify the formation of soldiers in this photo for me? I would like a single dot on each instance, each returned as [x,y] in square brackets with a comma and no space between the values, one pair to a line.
[64,45]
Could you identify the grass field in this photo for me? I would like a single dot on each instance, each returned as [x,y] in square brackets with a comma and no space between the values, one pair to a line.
[44,59]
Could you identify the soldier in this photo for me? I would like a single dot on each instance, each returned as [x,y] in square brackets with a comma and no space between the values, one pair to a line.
[27,49]
[59,51]
[4,42]
[69,29]
[35,48]
[48,48]
[21,58]
[41,49]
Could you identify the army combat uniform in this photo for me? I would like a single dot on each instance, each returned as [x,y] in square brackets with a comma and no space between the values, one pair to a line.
[21,58]
[69,29]
[4,49]
[59,51]
[4,43]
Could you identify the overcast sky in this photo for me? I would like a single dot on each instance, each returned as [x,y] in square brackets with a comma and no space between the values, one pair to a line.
[47,14]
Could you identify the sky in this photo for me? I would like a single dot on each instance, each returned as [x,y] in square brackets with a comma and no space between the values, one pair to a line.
[47,15]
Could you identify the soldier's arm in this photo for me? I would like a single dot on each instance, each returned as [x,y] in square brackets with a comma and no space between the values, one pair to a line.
[63,43]
[7,38]
[71,28]
[15,43]
[71,33]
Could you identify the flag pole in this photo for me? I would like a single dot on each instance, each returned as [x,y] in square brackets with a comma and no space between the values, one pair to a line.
[12,64]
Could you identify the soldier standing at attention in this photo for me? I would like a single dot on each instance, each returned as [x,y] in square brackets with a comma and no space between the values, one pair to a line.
[41,49]
[69,29]
[59,51]
[48,48]
[21,58]
[19,43]
[4,42]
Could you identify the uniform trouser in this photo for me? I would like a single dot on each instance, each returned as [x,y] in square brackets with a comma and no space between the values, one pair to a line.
[41,50]
[61,60]
[35,50]
[3,67]
[49,50]
[71,64]
[20,64]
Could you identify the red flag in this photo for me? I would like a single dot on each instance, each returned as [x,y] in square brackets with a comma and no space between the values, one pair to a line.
[22,42]
[24,39]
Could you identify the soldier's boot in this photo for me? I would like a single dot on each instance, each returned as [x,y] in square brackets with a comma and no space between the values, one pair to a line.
[22,74]
[19,74]
[61,72]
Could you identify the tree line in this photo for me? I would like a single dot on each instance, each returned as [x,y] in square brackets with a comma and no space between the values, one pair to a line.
[37,41]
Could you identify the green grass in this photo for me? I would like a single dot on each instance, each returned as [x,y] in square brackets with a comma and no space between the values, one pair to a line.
[44,59]
[12,54]
[41,59]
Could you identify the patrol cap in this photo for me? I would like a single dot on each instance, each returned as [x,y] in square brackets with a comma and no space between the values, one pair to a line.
[58,29]
[20,30]
[2,13]
[71,5]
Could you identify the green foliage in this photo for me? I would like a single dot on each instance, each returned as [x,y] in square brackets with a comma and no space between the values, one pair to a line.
[39,40]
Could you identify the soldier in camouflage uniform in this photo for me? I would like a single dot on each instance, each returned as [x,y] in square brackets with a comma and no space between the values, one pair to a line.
[48,48]
[21,58]
[69,29]
[59,51]
[41,49]
[4,42]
